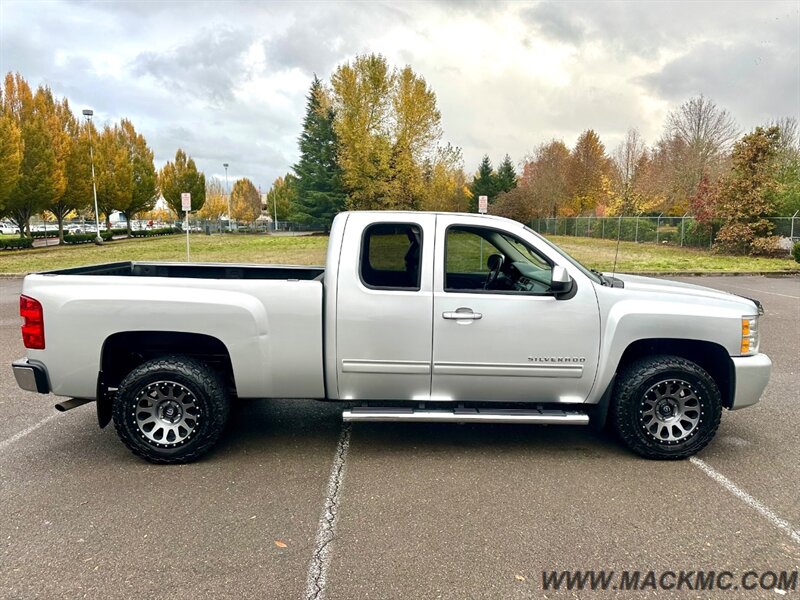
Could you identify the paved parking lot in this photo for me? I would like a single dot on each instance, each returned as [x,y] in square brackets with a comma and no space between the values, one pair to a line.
[420,511]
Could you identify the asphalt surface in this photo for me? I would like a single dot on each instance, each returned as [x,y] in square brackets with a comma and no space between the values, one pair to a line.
[423,511]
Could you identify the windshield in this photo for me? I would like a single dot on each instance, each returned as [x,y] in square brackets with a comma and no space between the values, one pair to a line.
[583,269]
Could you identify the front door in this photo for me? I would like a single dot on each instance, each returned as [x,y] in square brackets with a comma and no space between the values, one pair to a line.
[499,334]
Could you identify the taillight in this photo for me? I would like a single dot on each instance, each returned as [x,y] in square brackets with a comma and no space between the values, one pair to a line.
[33,323]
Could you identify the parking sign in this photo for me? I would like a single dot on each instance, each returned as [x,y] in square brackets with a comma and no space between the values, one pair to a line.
[186,201]
[483,204]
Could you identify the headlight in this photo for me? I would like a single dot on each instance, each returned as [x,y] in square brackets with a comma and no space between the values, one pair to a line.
[749,335]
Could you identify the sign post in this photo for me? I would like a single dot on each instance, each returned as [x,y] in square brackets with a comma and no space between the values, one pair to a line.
[186,206]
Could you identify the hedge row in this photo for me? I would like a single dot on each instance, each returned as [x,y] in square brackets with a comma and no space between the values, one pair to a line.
[85,238]
[153,232]
[54,234]
[15,243]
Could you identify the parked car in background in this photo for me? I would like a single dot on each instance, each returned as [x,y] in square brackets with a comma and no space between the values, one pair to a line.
[8,228]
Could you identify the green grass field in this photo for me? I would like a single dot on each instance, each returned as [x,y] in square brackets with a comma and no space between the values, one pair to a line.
[310,250]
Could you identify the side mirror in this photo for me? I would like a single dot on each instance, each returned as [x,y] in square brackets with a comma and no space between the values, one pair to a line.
[561,283]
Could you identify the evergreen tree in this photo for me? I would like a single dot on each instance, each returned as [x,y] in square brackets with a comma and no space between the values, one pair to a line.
[506,175]
[484,183]
[319,193]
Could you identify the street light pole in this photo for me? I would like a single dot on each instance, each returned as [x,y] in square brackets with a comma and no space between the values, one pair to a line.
[227,195]
[88,112]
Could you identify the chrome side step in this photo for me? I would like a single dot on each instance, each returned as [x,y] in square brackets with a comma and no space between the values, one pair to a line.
[466,415]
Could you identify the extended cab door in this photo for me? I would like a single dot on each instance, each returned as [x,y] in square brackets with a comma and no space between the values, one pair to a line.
[499,333]
[383,307]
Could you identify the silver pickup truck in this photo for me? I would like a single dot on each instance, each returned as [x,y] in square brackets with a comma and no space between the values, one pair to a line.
[416,317]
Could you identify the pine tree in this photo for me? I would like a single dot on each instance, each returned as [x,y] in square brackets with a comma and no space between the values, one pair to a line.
[506,175]
[319,189]
[484,183]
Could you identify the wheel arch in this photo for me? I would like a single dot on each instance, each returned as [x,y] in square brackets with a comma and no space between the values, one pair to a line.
[711,357]
[124,351]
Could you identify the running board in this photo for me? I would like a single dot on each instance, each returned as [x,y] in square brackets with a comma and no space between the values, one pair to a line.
[467,415]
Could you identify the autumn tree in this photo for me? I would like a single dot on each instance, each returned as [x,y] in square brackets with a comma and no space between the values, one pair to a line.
[216,203]
[588,174]
[41,172]
[704,203]
[320,196]
[628,161]
[362,102]
[445,182]
[697,138]
[415,133]
[141,196]
[282,197]
[506,177]
[484,183]
[746,196]
[545,176]
[10,152]
[245,201]
[388,127]
[77,169]
[182,176]
[113,171]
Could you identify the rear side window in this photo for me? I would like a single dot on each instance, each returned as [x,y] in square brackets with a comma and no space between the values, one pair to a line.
[390,256]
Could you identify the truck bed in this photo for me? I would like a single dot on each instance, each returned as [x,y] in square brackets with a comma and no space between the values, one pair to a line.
[196,271]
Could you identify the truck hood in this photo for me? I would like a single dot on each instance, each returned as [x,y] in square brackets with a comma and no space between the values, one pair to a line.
[687,291]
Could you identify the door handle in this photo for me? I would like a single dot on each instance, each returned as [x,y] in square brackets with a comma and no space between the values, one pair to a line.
[462,314]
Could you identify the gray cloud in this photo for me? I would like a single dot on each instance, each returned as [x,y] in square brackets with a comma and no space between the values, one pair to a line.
[727,74]
[208,66]
[555,21]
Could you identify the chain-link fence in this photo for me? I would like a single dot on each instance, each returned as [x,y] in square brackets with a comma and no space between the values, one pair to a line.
[678,231]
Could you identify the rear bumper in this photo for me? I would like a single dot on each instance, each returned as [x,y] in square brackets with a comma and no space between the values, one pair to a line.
[751,377]
[30,376]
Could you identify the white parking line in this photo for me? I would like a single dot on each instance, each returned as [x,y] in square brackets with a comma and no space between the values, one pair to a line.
[765,512]
[318,569]
[741,287]
[18,436]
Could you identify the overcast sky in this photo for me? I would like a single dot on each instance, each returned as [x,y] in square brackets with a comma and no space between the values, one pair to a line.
[226,81]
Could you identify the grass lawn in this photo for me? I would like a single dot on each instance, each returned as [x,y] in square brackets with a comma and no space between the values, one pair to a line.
[310,250]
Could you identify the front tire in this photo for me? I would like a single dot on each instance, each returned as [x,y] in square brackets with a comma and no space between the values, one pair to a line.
[171,410]
[666,407]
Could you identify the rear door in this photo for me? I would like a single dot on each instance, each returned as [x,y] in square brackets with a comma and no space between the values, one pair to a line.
[384,303]
[513,341]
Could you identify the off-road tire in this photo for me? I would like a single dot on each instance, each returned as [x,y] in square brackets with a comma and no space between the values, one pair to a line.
[204,393]
[633,397]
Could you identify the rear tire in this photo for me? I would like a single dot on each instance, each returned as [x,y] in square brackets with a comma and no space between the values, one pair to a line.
[171,410]
[665,407]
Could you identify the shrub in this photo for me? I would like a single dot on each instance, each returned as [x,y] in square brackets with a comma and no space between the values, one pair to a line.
[42,234]
[16,243]
[734,238]
[767,246]
[153,232]
[796,251]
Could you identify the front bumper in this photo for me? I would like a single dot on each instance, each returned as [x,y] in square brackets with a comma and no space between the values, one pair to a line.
[751,375]
[30,376]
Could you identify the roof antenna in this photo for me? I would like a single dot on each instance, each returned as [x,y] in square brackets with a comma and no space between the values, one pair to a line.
[616,254]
